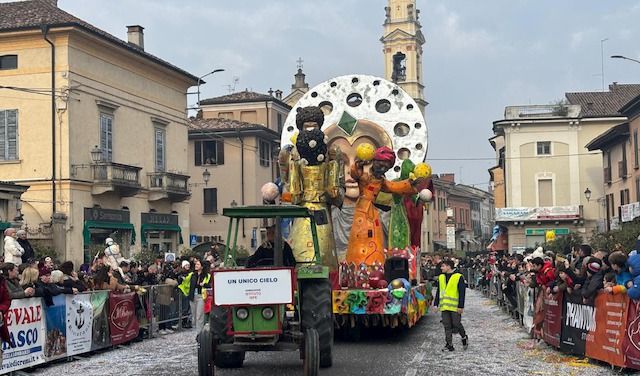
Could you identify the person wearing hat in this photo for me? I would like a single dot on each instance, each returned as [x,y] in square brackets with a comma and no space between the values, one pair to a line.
[184,281]
[13,251]
[366,239]
[594,281]
[28,254]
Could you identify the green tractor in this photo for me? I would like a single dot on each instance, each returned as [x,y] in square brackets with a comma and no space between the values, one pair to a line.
[268,307]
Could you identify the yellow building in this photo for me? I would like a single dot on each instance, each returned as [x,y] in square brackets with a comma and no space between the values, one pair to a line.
[108,156]
[547,167]
[235,139]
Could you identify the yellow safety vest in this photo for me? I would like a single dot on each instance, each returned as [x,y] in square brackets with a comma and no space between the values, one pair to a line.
[449,295]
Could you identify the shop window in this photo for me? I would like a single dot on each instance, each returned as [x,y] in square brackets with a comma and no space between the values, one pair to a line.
[210,200]
[8,62]
[160,137]
[8,135]
[265,153]
[209,153]
[106,136]
[543,148]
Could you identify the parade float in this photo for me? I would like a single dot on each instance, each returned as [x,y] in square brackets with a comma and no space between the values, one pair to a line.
[353,151]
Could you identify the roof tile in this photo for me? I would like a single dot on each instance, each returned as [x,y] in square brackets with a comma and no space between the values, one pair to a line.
[604,103]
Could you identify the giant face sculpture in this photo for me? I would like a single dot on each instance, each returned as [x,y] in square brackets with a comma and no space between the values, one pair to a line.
[364,132]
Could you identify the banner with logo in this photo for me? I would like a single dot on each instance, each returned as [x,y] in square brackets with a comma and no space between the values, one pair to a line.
[529,309]
[123,322]
[606,340]
[579,319]
[56,341]
[552,326]
[100,327]
[79,323]
[26,330]
[631,343]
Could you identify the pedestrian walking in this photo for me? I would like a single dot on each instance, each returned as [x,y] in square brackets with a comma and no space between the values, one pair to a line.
[450,299]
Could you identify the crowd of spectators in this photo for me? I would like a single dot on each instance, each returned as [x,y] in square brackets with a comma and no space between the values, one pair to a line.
[27,277]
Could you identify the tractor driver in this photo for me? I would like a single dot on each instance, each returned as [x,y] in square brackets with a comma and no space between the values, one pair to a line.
[264,254]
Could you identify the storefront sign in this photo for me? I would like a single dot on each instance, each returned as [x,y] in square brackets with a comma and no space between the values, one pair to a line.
[269,286]
[123,322]
[538,214]
[79,323]
[605,342]
[552,326]
[26,331]
[159,219]
[451,236]
[543,231]
[106,215]
[56,340]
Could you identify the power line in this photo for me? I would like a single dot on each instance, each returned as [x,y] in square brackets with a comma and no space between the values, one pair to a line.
[531,157]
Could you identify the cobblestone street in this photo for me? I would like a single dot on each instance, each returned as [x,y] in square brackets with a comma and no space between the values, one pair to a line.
[498,346]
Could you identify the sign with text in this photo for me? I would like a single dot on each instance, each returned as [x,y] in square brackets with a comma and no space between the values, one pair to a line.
[538,213]
[123,322]
[606,340]
[106,215]
[79,323]
[552,325]
[26,332]
[253,287]
[579,320]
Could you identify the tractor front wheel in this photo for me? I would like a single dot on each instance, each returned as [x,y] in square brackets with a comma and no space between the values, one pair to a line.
[311,350]
[219,323]
[317,313]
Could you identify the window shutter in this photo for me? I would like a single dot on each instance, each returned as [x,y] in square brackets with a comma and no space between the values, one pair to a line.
[3,135]
[220,152]
[12,134]
[198,153]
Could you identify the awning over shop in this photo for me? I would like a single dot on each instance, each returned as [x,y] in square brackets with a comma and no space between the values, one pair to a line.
[88,225]
[441,243]
[159,227]
[4,225]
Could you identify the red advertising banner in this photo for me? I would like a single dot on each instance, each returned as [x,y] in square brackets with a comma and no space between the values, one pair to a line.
[123,323]
[552,326]
[631,344]
[605,341]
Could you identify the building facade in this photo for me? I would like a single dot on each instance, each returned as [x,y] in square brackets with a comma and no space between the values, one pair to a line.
[547,168]
[104,150]
[239,155]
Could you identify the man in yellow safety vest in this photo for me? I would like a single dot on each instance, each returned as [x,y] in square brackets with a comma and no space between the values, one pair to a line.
[450,298]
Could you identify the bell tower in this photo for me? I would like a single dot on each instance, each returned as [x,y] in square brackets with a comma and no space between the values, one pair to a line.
[402,47]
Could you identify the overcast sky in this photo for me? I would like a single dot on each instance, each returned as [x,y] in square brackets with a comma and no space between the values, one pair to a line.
[480,56]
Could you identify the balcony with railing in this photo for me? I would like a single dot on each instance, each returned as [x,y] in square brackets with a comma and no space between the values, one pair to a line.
[168,185]
[115,177]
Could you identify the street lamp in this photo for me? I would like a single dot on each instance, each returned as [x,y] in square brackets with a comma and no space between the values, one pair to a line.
[96,154]
[587,194]
[233,203]
[625,58]
[201,77]
[206,175]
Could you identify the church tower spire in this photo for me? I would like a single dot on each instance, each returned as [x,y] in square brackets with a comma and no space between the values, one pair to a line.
[402,46]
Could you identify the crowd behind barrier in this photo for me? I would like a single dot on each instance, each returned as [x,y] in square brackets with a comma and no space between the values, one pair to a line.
[85,322]
[51,311]
[601,324]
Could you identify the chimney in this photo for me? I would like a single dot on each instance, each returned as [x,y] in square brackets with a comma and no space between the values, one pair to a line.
[279,94]
[135,36]
[270,92]
[52,2]
[451,178]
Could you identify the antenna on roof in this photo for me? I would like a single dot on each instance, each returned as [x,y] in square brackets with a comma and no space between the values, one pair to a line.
[231,88]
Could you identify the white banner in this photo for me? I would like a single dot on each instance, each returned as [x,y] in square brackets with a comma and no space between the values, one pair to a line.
[79,323]
[26,328]
[253,287]
[451,236]
[630,211]
[541,213]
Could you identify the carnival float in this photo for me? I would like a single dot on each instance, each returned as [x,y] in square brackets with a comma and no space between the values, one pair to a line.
[353,151]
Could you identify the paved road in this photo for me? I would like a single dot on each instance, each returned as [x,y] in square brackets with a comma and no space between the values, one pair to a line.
[498,346]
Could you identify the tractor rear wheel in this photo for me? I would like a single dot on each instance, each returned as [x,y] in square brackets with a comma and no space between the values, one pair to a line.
[311,362]
[219,323]
[206,351]
[317,313]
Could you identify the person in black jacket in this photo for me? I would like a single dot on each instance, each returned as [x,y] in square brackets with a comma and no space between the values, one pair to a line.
[264,255]
[28,254]
[594,281]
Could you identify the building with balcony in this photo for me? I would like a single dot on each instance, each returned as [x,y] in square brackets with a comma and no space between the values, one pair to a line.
[97,128]
[547,167]
[240,156]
